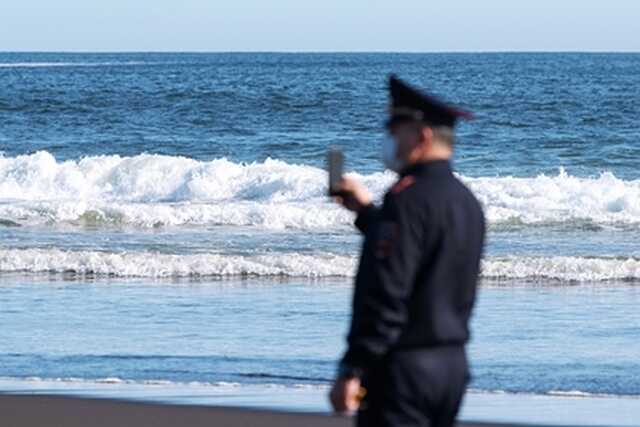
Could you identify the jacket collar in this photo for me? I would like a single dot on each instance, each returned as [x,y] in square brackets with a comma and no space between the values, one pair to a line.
[433,168]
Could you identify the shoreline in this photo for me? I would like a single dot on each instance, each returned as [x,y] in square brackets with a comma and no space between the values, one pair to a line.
[22,403]
[42,410]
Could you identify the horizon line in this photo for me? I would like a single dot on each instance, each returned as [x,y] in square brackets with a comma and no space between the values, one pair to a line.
[415,52]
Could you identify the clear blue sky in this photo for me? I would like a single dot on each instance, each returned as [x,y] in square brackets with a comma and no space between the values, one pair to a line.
[319,25]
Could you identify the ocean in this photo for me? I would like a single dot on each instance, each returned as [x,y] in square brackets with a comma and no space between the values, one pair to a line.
[164,219]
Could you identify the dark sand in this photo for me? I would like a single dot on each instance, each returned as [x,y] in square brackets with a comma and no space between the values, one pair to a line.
[60,411]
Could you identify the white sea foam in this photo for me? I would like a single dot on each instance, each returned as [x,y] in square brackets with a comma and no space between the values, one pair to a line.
[557,393]
[116,381]
[155,265]
[559,199]
[150,190]
[563,268]
[110,381]
[321,265]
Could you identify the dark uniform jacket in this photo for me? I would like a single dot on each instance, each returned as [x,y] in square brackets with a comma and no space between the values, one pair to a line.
[416,282]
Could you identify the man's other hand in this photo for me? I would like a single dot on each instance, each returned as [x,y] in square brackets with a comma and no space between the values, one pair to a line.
[353,195]
[345,395]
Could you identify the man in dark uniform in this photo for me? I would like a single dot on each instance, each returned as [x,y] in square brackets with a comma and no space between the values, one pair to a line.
[416,283]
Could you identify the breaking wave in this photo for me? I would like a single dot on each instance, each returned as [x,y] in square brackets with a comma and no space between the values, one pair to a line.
[562,269]
[155,265]
[82,264]
[153,190]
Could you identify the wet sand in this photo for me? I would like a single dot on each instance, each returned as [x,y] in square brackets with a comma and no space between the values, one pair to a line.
[65,411]
[269,405]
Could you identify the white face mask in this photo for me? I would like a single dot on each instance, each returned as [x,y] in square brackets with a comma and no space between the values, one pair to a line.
[390,155]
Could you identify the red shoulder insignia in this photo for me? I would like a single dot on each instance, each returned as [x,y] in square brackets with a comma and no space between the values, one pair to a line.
[403,184]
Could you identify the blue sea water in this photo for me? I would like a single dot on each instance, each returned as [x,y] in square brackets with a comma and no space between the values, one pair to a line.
[164,219]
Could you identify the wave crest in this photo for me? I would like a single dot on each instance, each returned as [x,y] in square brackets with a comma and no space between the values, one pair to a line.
[151,190]
[510,270]
[562,268]
[157,265]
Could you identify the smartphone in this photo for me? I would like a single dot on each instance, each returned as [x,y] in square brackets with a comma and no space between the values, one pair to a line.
[335,164]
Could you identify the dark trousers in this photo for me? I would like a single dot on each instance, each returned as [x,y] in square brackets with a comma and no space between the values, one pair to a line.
[421,388]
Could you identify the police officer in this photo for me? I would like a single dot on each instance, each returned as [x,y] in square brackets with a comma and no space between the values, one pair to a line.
[416,283]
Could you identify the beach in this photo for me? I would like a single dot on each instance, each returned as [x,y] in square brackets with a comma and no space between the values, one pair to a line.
[20,411]
[144,406]
[166,238]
